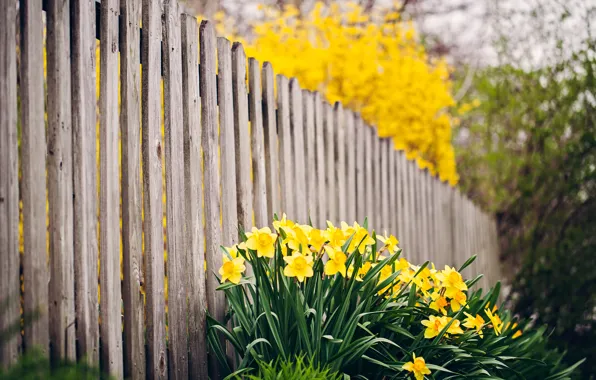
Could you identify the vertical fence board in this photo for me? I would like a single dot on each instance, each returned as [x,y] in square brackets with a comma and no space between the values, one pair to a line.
[385,226]
[9,182]
[152,190]
[425,231]
[109,213]
[33,165]
[257,143]
[229,199]
[350,141]
[175,202]
[285,147]
[297,126]
[340,161]
[271,142]
[194,200]
[85,180]
[330,158]
[132,229]
[368,177]
[378,217]
[320,160]
[400,210]
[312,187]
[361,196]
[393,195]
[215,299]
[61,288]
[242,135]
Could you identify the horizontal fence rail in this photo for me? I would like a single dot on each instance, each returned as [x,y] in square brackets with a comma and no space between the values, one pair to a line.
[124,198]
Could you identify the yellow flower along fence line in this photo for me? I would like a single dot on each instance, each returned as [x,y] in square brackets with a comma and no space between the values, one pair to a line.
[349,301]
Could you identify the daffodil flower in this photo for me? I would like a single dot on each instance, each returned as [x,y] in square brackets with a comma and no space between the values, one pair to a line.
[418,367]
[299,266]
[262,241]
[232,270]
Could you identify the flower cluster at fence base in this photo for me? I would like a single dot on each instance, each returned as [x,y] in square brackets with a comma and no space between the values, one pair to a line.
[347,298]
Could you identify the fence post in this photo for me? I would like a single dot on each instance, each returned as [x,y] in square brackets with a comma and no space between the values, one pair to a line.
[321,162]
[285,145]
[297,127]
[257,142]
[312,187]
[271,142]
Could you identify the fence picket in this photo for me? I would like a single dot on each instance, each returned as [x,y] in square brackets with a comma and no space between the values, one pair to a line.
[152,191]
[271,142]
[61,290]
[285,147]
[242,135]
[330,140]
[385,226]
[310,155]
[368,178]
[229,197]
[9,182]
[177,284]
[33,164]
[257,143]
[340,161]
[350,141]
[320,159]
[361,196]
[297,126]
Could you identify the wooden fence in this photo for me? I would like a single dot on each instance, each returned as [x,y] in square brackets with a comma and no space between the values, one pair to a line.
[233,151]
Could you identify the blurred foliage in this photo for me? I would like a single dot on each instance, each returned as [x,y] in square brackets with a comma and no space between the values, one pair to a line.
[528,153]
[297,368]
[373,62]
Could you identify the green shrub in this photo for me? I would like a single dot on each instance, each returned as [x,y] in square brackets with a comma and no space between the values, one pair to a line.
[358,308]
[297,368]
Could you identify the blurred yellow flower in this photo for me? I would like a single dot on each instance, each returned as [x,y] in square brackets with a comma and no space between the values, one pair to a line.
[299,266]
[474,322]
[336,262]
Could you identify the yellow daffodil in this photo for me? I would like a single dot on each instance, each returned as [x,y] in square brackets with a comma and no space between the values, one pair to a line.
[418,367]
[390,242]
[284,224]
[262,241]
[335,236]
[433,325]
[454,327]
[452,281]
[495,320]
[439,303]
[232,270]
[474,322]
[517,334]
[299,266]
[362,271]
[459,299]
[336,262]
[316,239]
[361,239]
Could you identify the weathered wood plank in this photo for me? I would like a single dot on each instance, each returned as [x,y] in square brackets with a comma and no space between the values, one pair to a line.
[351,143]
[361,196]
[132,228]
[368,175]
[400,192]
[61,289]
[312,187]
[242,137]
[285,148]
[33,165]
[330,140]
[175,202]
[376,143]
[340,161]
[215,299]
[385,225]
[393,193]
[425,237]
[9,182]
[229,197]
[152,189]
[320,160]
[197,302]
[109,212]
[297,126]
[271,143]
[258,143]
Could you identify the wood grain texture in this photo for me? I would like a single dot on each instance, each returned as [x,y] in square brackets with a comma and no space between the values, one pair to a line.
[152,191]
[229,196]
[242,137]
[257,138]
[33,185]
[360,135]
[400,193]
[312,188]
[385,225]
[85,179]
[286,169]
[320,160]
[215,299]
[340,162]
[351,146]
[271,143]
[9,182]
[377,187]
[110,328]
[297,126]
[193,174]
[60,188]
[330,140]
[132,228]
[368,175]
[175,201]
[393,193]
